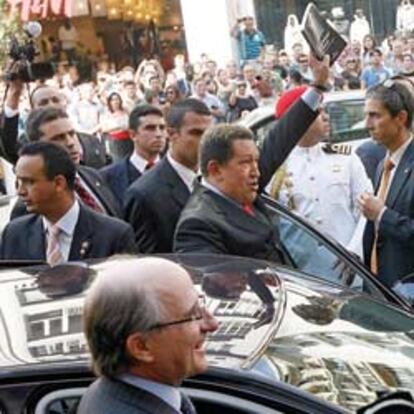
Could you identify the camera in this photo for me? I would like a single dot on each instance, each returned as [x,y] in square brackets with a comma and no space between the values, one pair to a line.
[23,56]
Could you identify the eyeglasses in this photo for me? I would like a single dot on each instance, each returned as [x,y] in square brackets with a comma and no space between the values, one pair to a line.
[198,315]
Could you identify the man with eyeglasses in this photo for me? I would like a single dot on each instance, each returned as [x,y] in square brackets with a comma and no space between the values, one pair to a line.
[146,334]
[389,232]
[147,130]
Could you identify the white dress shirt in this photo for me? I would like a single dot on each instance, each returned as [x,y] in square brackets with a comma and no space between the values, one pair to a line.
[139,162]
[67,225]
[188,176]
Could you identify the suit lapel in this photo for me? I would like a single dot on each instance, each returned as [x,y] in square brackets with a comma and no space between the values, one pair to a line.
[95,185]
[36,240]
[131,173]
[179,190]
[82,237]
[401,176]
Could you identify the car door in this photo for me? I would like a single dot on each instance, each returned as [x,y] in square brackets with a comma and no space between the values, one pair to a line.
[322,257]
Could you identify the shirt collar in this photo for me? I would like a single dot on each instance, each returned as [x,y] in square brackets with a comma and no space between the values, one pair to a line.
[66,223]
[398,154]
[214,189]
[168,393]
[139,162]
[187,175]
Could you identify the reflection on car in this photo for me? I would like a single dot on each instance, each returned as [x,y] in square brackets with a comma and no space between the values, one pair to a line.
[287,341]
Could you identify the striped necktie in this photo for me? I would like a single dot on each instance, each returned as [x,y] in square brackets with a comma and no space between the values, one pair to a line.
[53,253]
[86,196]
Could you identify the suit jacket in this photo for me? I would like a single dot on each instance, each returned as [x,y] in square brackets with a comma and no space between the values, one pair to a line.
[211,223]
[119,177]
[395,244]
[371,154]
[153,205]
[96,184]
[154,202]
[107,396]
[95,236]
[94,152]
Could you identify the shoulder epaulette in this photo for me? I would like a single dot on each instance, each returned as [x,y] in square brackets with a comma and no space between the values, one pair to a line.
[343,149]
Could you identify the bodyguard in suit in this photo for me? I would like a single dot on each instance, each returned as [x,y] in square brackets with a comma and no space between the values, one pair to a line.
[225,214]
[58,228]
[154,202]
[93,153]
[52,124]
[145,325]
[148,132]
[389,233]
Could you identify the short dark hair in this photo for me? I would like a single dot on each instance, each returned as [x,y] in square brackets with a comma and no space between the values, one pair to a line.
[217,144]
[39,117]
[56,160]
[375,51]
[139,112]
[178,111]
[395,97]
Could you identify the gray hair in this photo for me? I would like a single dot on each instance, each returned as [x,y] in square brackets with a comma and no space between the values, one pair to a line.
[118,304]
[217,144]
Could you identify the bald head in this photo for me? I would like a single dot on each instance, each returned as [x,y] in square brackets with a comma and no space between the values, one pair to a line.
[128,296]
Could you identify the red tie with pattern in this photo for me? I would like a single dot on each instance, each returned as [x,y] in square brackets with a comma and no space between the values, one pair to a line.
[248,209]
[149,165]
[86,197]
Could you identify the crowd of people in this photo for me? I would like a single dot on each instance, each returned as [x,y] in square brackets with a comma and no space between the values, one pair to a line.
[143,160]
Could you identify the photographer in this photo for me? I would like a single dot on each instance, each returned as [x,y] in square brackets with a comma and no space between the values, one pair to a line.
[251,41]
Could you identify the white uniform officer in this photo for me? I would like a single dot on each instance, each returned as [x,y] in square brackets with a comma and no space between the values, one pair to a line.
[321,182]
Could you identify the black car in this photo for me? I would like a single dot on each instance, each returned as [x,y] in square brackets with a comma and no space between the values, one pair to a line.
[287,342]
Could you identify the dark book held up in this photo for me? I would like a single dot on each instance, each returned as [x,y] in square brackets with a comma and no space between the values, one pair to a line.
[322,38]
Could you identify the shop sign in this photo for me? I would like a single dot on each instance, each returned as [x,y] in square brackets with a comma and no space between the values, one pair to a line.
[41,8]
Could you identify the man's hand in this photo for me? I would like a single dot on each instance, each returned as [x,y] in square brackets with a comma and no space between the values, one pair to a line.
[320,70]
[15,87]
[370,206]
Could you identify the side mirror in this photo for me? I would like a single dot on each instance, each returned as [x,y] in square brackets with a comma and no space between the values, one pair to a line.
[405,289]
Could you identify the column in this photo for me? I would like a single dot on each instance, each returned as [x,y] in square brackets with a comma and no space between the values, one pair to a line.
[207,27]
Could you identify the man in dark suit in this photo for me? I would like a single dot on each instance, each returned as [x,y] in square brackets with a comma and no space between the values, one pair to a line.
[147,130]
[58,227]
[155,201]
[52,124]
[389,233]
[145,326]
[93,153]
[225,214]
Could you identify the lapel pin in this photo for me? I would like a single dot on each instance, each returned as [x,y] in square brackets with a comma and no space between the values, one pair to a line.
[98,184]
[84,247]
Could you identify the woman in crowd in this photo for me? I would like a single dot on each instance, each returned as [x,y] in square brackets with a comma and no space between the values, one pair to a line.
[368,44]
[114,126]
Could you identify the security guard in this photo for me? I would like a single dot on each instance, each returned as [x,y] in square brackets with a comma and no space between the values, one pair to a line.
[321,182]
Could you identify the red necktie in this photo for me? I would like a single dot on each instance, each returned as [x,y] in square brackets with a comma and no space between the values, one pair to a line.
[86,197]
[149,165]
[248,209]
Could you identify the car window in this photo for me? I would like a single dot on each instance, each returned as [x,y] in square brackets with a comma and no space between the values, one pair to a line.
[347,120]
[310,253]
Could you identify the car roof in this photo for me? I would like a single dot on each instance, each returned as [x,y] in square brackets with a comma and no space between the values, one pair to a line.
[267,111]
[274,321]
